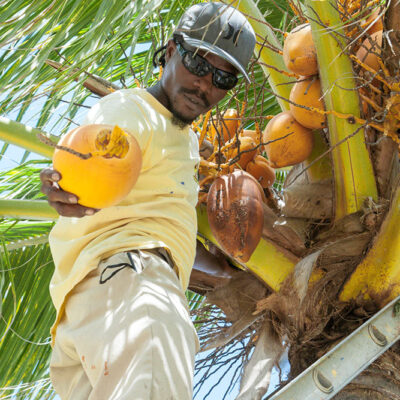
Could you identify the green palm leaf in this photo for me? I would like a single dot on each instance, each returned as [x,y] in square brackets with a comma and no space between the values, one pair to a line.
[26,314]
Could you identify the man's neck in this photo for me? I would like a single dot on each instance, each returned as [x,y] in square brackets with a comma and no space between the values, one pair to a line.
[158,92]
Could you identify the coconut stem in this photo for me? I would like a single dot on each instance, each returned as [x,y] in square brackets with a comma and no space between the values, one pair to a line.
[109,145]
[49,142]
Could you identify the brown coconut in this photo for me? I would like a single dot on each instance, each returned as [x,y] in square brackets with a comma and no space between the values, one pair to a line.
[374,21]
[235,213]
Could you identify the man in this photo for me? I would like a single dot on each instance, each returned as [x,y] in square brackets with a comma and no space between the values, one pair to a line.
[123,329]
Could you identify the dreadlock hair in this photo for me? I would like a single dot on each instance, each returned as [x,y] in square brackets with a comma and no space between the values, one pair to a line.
[159,59]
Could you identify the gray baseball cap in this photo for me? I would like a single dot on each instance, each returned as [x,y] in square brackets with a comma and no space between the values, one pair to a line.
[220,29]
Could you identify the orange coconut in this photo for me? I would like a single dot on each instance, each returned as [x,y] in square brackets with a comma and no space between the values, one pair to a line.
[226,129]
[299,53]
[374,22]
[259,168]
[248,149]
[307,92]
[109,174]
[370,49]
[293,142]
[251,133]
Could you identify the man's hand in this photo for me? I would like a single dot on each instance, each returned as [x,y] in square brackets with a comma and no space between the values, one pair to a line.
[65,203]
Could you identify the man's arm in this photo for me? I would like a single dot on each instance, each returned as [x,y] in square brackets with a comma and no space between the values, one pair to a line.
[210,270]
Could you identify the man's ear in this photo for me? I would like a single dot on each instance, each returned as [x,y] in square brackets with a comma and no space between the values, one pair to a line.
[171,48]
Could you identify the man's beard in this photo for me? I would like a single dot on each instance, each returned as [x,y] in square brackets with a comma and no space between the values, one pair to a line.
[177,118]
[180,123]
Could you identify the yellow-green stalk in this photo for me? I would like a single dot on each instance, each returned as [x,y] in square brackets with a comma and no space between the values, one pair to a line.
[353,171]
[24,136]
[378,275]
[28,209]
[319,168]
[279,82]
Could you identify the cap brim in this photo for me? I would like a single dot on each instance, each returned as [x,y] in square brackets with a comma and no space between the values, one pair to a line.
[215,50]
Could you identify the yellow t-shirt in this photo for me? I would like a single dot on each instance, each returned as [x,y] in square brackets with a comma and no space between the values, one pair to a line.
[158,212]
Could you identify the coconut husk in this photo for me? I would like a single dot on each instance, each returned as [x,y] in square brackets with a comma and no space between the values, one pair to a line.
[311,201]
[281,232]
[239,296]
[386,158]
[303,318]
[257,372]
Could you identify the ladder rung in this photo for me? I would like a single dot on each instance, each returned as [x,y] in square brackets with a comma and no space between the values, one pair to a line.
[332,372]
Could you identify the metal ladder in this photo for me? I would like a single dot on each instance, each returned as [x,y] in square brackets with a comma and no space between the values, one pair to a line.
[332,372]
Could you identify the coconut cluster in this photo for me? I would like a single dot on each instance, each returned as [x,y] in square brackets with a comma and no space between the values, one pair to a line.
[235,197]
[290,133]
[241,148]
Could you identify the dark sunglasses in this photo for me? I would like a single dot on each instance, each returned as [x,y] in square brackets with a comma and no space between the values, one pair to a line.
[199,66]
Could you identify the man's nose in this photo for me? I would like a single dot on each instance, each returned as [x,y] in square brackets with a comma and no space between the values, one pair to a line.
[204,83]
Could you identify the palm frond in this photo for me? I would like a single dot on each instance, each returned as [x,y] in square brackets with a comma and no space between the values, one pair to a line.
[26,314]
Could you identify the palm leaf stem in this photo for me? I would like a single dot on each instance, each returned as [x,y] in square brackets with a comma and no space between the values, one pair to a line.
[378,275]
[24,136]
[273,270]
[29,209]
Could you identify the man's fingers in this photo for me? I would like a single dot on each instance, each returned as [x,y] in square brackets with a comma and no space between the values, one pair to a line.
[55,194]
[65,203]
[49,175]
[76,210]
[50,188]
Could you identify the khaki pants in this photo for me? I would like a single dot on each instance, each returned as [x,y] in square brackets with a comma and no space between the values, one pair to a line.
[126,334]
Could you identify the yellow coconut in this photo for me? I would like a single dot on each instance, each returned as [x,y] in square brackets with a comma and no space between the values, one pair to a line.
[225,129]
[307,92]
[259,168]
[292,142]
[299,53]
[248,149]
[251,133]
[106,168]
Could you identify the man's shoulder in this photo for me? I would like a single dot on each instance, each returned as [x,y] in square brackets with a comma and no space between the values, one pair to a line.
[133,102]
[123,96]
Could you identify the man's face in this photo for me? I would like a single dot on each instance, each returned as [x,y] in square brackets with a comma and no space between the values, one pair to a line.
[190,95]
